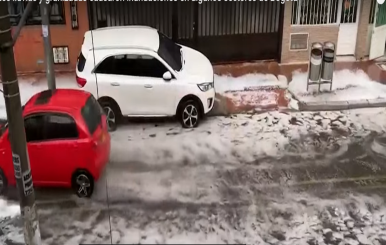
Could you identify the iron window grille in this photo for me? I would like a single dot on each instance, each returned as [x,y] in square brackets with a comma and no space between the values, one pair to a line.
[314,12]
[17,8]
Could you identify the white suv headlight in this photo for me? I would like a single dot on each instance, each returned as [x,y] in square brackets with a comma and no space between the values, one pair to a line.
[205,86]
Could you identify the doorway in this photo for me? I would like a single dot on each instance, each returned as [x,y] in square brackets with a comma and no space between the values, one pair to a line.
[348,26]
[378,32]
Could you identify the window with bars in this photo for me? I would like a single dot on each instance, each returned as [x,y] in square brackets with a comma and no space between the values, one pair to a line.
[16,9]
[314,12]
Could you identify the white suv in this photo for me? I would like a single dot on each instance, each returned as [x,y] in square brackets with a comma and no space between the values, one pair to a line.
[136,71]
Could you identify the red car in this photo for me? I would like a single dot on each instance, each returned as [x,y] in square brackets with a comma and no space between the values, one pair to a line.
[67,138]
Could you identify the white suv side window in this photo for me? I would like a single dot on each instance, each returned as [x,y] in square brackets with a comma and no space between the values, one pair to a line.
[132,65]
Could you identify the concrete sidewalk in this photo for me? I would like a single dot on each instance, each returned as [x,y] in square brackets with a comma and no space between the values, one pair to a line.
[351,89]
[372,69]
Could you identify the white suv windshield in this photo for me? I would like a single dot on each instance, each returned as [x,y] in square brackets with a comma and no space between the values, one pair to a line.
[170,52]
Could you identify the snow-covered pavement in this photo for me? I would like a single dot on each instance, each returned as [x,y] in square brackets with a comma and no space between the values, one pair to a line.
[224,85]
[273,178]
[348,85]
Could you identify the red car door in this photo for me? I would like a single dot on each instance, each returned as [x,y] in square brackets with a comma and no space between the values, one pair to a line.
[34,125]
[36,161]
[54,148]
[6,158]
[56,167]
[61,149]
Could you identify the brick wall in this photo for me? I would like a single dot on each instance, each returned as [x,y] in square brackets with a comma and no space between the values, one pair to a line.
[29,49]
[321,33]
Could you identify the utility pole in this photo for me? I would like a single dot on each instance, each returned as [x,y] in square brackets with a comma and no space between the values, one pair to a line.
[49,56]
[16,129]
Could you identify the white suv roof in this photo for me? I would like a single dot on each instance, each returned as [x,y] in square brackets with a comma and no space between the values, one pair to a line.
[122,37]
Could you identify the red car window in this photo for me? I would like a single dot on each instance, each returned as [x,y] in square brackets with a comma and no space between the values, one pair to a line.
[92,114]
[60,126]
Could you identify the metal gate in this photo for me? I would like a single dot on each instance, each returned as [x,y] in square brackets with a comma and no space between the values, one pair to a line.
[223,31]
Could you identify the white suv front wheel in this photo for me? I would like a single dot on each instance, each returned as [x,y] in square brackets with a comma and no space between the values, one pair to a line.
[189,114]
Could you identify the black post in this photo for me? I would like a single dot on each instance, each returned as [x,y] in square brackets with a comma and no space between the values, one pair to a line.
[16,131]
[49,56]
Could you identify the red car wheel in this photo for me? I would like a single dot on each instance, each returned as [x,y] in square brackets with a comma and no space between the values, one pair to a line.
[83,184]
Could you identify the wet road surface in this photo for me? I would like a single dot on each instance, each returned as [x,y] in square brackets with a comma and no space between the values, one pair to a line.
[333,194]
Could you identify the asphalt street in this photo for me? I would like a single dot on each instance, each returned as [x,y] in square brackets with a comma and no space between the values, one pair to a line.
[324,184]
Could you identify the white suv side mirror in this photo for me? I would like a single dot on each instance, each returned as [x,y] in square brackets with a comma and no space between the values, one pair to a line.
[167,76]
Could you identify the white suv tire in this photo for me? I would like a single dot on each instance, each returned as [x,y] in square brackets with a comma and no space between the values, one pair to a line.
[113,114]
[189,114]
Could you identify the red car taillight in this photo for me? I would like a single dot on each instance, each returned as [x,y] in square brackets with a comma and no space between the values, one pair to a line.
[81,81]
[100,139]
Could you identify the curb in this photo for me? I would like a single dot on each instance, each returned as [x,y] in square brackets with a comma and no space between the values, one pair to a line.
[338,105]
[341,105]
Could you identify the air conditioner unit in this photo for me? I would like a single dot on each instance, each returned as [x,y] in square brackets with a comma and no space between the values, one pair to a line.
[299,41]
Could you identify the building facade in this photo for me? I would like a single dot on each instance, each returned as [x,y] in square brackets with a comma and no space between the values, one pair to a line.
[29,48]
[224,31]
[347,23]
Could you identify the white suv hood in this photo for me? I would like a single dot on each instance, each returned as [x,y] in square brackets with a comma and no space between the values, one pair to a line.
[197,67]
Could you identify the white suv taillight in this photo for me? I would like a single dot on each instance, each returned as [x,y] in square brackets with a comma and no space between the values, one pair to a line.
[81,82]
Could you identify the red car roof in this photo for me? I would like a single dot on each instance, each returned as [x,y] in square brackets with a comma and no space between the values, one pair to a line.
[60,99]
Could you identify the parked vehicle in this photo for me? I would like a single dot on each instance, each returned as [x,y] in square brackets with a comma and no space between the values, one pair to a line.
[136,71]
[67,139]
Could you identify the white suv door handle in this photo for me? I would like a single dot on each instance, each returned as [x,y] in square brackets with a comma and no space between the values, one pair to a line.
[114,84]
[148,86]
